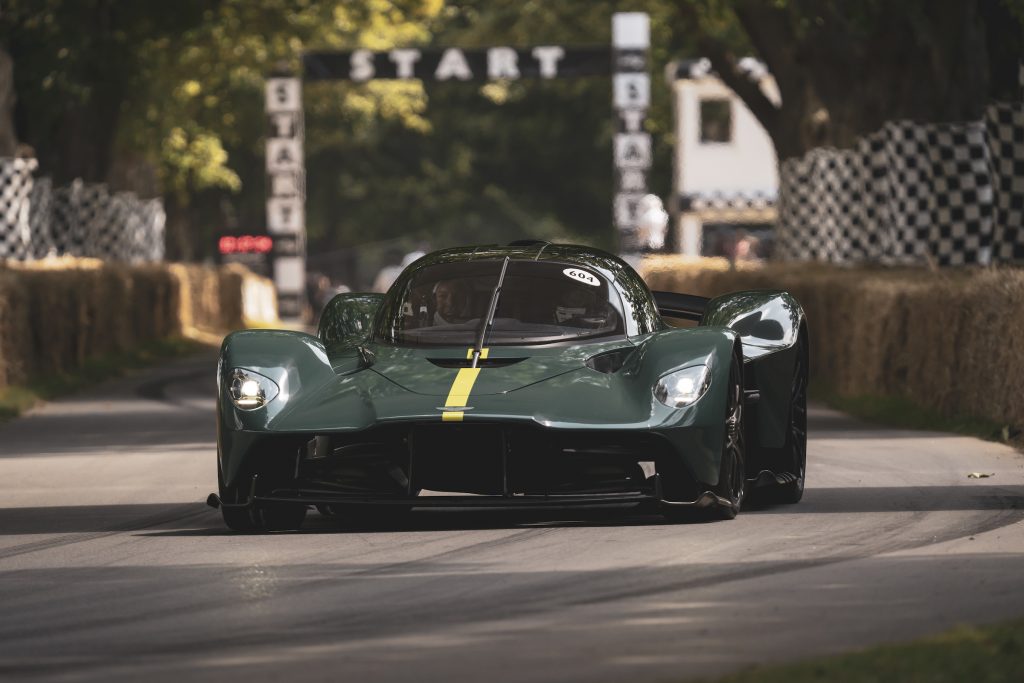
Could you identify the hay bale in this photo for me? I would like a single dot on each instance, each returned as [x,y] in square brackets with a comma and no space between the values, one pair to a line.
[948,340]
[15,340]
[246,299]
[57,313]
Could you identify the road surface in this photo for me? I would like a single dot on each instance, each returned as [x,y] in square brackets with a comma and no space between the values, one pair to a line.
[111,566]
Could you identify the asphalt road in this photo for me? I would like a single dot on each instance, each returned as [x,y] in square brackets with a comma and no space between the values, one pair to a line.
[111,566]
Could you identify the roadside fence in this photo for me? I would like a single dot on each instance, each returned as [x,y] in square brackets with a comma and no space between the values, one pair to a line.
[910,193]
[82,219]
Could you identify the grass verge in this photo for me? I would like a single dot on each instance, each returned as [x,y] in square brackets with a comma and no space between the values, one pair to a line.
[897,411]
[16,399]
[980,654]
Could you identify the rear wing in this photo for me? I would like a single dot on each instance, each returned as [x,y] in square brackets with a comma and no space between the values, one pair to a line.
[675,305]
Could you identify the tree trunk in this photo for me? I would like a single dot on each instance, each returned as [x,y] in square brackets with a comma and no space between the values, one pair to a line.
[178,237]
[8,139]
[844,69]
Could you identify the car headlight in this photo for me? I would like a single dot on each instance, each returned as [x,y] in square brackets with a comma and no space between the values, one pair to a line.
[683,387]
[250,390]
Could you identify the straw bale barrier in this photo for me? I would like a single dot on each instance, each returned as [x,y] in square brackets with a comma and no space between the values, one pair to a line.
[951,340]
[54,315]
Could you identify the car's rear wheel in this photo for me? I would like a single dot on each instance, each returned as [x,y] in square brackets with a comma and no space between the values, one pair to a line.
[795,448]
[732,480]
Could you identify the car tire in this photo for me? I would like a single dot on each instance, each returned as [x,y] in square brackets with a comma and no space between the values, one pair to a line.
[239,519]
[236,518]
[732,480]
[795,448]
[280,516]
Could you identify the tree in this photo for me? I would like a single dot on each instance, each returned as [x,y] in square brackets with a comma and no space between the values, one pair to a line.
[844,68]
[77,68]
[8,140]
[122,91]
[494,162]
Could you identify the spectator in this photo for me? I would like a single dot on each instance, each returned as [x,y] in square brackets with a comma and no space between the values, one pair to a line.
[387,275]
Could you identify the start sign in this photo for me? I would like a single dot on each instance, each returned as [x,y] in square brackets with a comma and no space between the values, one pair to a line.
[625,60]
[459,64]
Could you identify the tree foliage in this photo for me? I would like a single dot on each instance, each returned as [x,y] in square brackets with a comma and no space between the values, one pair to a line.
[844,67]
[168,97]
[106,87]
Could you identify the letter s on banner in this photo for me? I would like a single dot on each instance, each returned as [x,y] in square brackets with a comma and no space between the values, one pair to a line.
[361,65]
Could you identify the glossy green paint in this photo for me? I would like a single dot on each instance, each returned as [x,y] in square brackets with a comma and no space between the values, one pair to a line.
[331,392]
[346,381]
[405,366]
[347,318]
[767,322]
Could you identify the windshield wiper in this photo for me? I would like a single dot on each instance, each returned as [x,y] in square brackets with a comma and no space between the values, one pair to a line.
[481,336]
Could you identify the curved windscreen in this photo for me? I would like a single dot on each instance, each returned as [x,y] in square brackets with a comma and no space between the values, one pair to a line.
[540,303]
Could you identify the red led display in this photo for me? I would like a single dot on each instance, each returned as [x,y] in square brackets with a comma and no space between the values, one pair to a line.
[245,244]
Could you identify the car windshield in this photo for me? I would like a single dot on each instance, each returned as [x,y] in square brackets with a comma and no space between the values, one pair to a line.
[540,303]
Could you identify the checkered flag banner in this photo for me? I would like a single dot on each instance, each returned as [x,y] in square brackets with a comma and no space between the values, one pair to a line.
[1005,128]
[82,219]
[950,193]
[15,190]
[40,218]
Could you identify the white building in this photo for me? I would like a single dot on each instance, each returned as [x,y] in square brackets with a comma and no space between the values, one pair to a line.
[724,172]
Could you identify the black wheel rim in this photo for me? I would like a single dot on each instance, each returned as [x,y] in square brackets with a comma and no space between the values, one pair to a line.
[798,414]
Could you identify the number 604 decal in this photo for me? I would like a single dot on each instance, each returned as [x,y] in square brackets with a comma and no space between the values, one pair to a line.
[582,276]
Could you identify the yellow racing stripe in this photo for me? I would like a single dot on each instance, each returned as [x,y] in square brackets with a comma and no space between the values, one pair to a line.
[458,395]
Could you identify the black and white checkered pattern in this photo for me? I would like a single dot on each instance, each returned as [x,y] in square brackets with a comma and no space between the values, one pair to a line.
[951,193]
[910,202]
[149,241]
[83,219]
[1005,128]
[798,221]
[879,237]
[15,190]
[41,217]
[963,196]
[728,201]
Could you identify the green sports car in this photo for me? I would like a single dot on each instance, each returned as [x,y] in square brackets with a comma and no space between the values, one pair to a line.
[533,375]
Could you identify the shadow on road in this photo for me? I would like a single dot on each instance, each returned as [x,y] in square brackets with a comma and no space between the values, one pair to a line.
[71,519]
[102,518]
[857,499]
[199,617]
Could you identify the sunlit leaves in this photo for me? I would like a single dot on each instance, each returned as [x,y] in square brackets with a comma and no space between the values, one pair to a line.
[196,161]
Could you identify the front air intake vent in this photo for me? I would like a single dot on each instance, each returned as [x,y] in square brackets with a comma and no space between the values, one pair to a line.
[468,362]
[610,361]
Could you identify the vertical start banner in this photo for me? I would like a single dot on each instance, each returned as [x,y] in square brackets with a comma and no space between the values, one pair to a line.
[631,98]
[286,190]
[627,60]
